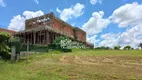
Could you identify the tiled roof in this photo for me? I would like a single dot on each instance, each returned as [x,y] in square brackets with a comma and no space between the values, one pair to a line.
[6,30]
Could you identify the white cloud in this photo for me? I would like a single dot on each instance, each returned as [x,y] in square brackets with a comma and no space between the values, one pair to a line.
[96,23]
[2,3]
[73,24]
[57,9]
[31,14]
[93,39]
[18,22]
[93,2]
[36,1]
[73,11]
[132,37]
[128,15]
[109,40]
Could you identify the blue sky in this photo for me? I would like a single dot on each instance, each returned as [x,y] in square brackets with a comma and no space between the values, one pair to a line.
[107,22]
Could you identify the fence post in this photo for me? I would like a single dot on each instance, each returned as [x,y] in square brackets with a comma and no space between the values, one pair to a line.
[18,57]
[28,46]
[13,53]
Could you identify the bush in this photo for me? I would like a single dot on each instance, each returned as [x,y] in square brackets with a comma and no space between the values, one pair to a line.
[54,46]
[62,42]
[36,48]
[5,55]
[17,45]
[23,48]
[66,50]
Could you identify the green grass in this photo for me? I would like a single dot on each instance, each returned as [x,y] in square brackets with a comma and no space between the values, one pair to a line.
[76,65]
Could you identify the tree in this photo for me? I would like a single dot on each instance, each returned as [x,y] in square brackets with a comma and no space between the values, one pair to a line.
[117,47]
[127,47]
[102,48]
[131,48]
[140,45]
[4,47]
[4,39]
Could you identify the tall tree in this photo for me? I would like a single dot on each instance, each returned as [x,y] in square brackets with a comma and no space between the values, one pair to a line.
[4,47]
[4,38]
[117,47]
[127,47]
[140,45]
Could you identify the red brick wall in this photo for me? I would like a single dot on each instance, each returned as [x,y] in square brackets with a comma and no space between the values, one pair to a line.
[58,25]
[81,36]
[72,32]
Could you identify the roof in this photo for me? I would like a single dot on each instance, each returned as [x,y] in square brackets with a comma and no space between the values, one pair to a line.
[6,30]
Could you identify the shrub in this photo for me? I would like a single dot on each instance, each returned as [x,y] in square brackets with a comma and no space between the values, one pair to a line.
[5,55]
[66,50]
[54,46]
[17,45]
[36,48]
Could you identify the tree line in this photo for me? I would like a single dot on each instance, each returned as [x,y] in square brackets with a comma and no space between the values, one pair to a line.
[128,47]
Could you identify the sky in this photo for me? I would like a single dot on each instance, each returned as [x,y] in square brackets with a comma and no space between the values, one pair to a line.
[107,23]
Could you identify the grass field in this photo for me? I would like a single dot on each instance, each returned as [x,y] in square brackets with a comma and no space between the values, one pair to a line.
[77,65]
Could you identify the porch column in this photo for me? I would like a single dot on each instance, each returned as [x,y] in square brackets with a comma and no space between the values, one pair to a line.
[44,37]
[47,37]
[34,33]
[40,38]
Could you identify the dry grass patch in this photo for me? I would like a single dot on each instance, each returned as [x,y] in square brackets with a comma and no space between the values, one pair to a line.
[77,65]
